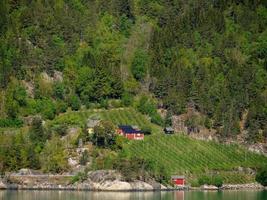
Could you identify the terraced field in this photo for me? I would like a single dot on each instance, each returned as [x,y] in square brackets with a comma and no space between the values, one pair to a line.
[117,116]
[180,154]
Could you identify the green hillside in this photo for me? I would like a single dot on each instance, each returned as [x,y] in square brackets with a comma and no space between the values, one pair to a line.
[180,154]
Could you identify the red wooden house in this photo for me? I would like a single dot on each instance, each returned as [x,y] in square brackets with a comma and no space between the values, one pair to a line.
[130,132]
[178,180]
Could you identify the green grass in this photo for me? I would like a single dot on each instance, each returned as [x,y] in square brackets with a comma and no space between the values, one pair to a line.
[117,116]
[180,154]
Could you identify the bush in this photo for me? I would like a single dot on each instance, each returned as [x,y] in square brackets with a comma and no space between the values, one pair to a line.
[11,123]
[127,99]
[74,102]
[61,107]
[211,180]
[53,157]
[217,181]
[146,130]
[261,176]
[58,90]
[60,129]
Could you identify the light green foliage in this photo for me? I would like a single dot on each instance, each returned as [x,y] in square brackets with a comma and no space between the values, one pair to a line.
[53,157]
[15,97]
[147,106]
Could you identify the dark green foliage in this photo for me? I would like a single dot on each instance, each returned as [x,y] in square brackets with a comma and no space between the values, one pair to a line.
[215,180]
[74,102]
[146,130]
[261,177]
[11,123]
[139,64]
[59,90]
[61,107]
[37,134]
[104,134]
[127,99]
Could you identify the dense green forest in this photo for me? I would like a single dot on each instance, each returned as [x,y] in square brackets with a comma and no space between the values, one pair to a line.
[146,54]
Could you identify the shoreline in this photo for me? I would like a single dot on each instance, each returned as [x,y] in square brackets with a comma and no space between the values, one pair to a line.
[78,188]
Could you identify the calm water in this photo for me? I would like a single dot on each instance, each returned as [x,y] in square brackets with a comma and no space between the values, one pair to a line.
[177,195]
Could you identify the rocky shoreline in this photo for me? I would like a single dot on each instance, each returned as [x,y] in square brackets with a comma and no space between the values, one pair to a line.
[101,180]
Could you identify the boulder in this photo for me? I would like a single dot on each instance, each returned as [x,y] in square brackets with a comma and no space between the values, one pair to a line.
[2,184]
[113,185]
[140,185]
[209,187]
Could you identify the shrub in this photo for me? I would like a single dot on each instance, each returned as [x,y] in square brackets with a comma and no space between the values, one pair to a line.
[127,99]
[60,129]
[58,90]
[217,181]
[53,157]
[74,102]
[211,180]
[156,119]
[11,123]
[146,130]
[61,107]
[261,176]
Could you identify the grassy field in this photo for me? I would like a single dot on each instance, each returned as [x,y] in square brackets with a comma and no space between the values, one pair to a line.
[180,154]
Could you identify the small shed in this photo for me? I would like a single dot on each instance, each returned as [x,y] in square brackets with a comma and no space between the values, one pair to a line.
[91,123]
[130,133]
[178,180]
[169,130]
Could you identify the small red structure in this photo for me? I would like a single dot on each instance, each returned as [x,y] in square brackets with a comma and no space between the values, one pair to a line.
[130,133]
[178,180]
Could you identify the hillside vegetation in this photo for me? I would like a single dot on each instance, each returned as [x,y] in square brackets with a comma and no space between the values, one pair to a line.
[64,61]
[180,154]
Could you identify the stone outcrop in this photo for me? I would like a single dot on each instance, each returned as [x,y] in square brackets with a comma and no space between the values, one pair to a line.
[100,180]
[242,186]
[2,184]
[209,187]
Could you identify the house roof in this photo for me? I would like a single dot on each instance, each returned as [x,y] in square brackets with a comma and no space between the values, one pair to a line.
[168,129]
[178,177]
[128,129]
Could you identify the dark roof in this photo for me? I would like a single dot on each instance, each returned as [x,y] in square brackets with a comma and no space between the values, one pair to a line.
[128,129]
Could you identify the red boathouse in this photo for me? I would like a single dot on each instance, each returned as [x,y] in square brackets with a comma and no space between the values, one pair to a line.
[130,133]
[178,180]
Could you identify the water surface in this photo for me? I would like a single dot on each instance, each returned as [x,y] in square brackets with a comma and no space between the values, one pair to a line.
[173,195]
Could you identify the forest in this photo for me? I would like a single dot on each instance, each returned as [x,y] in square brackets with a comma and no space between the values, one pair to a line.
[65,55]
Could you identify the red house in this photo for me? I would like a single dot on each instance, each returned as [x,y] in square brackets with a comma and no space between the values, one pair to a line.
[130,133]
[178,180]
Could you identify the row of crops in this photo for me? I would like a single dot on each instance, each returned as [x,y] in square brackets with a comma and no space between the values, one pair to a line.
[182,155]
[117,116]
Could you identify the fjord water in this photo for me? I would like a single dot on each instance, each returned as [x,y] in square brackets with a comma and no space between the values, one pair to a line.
[172,195]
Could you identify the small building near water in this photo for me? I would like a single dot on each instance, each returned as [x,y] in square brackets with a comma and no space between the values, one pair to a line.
[178,181]
[130,133]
